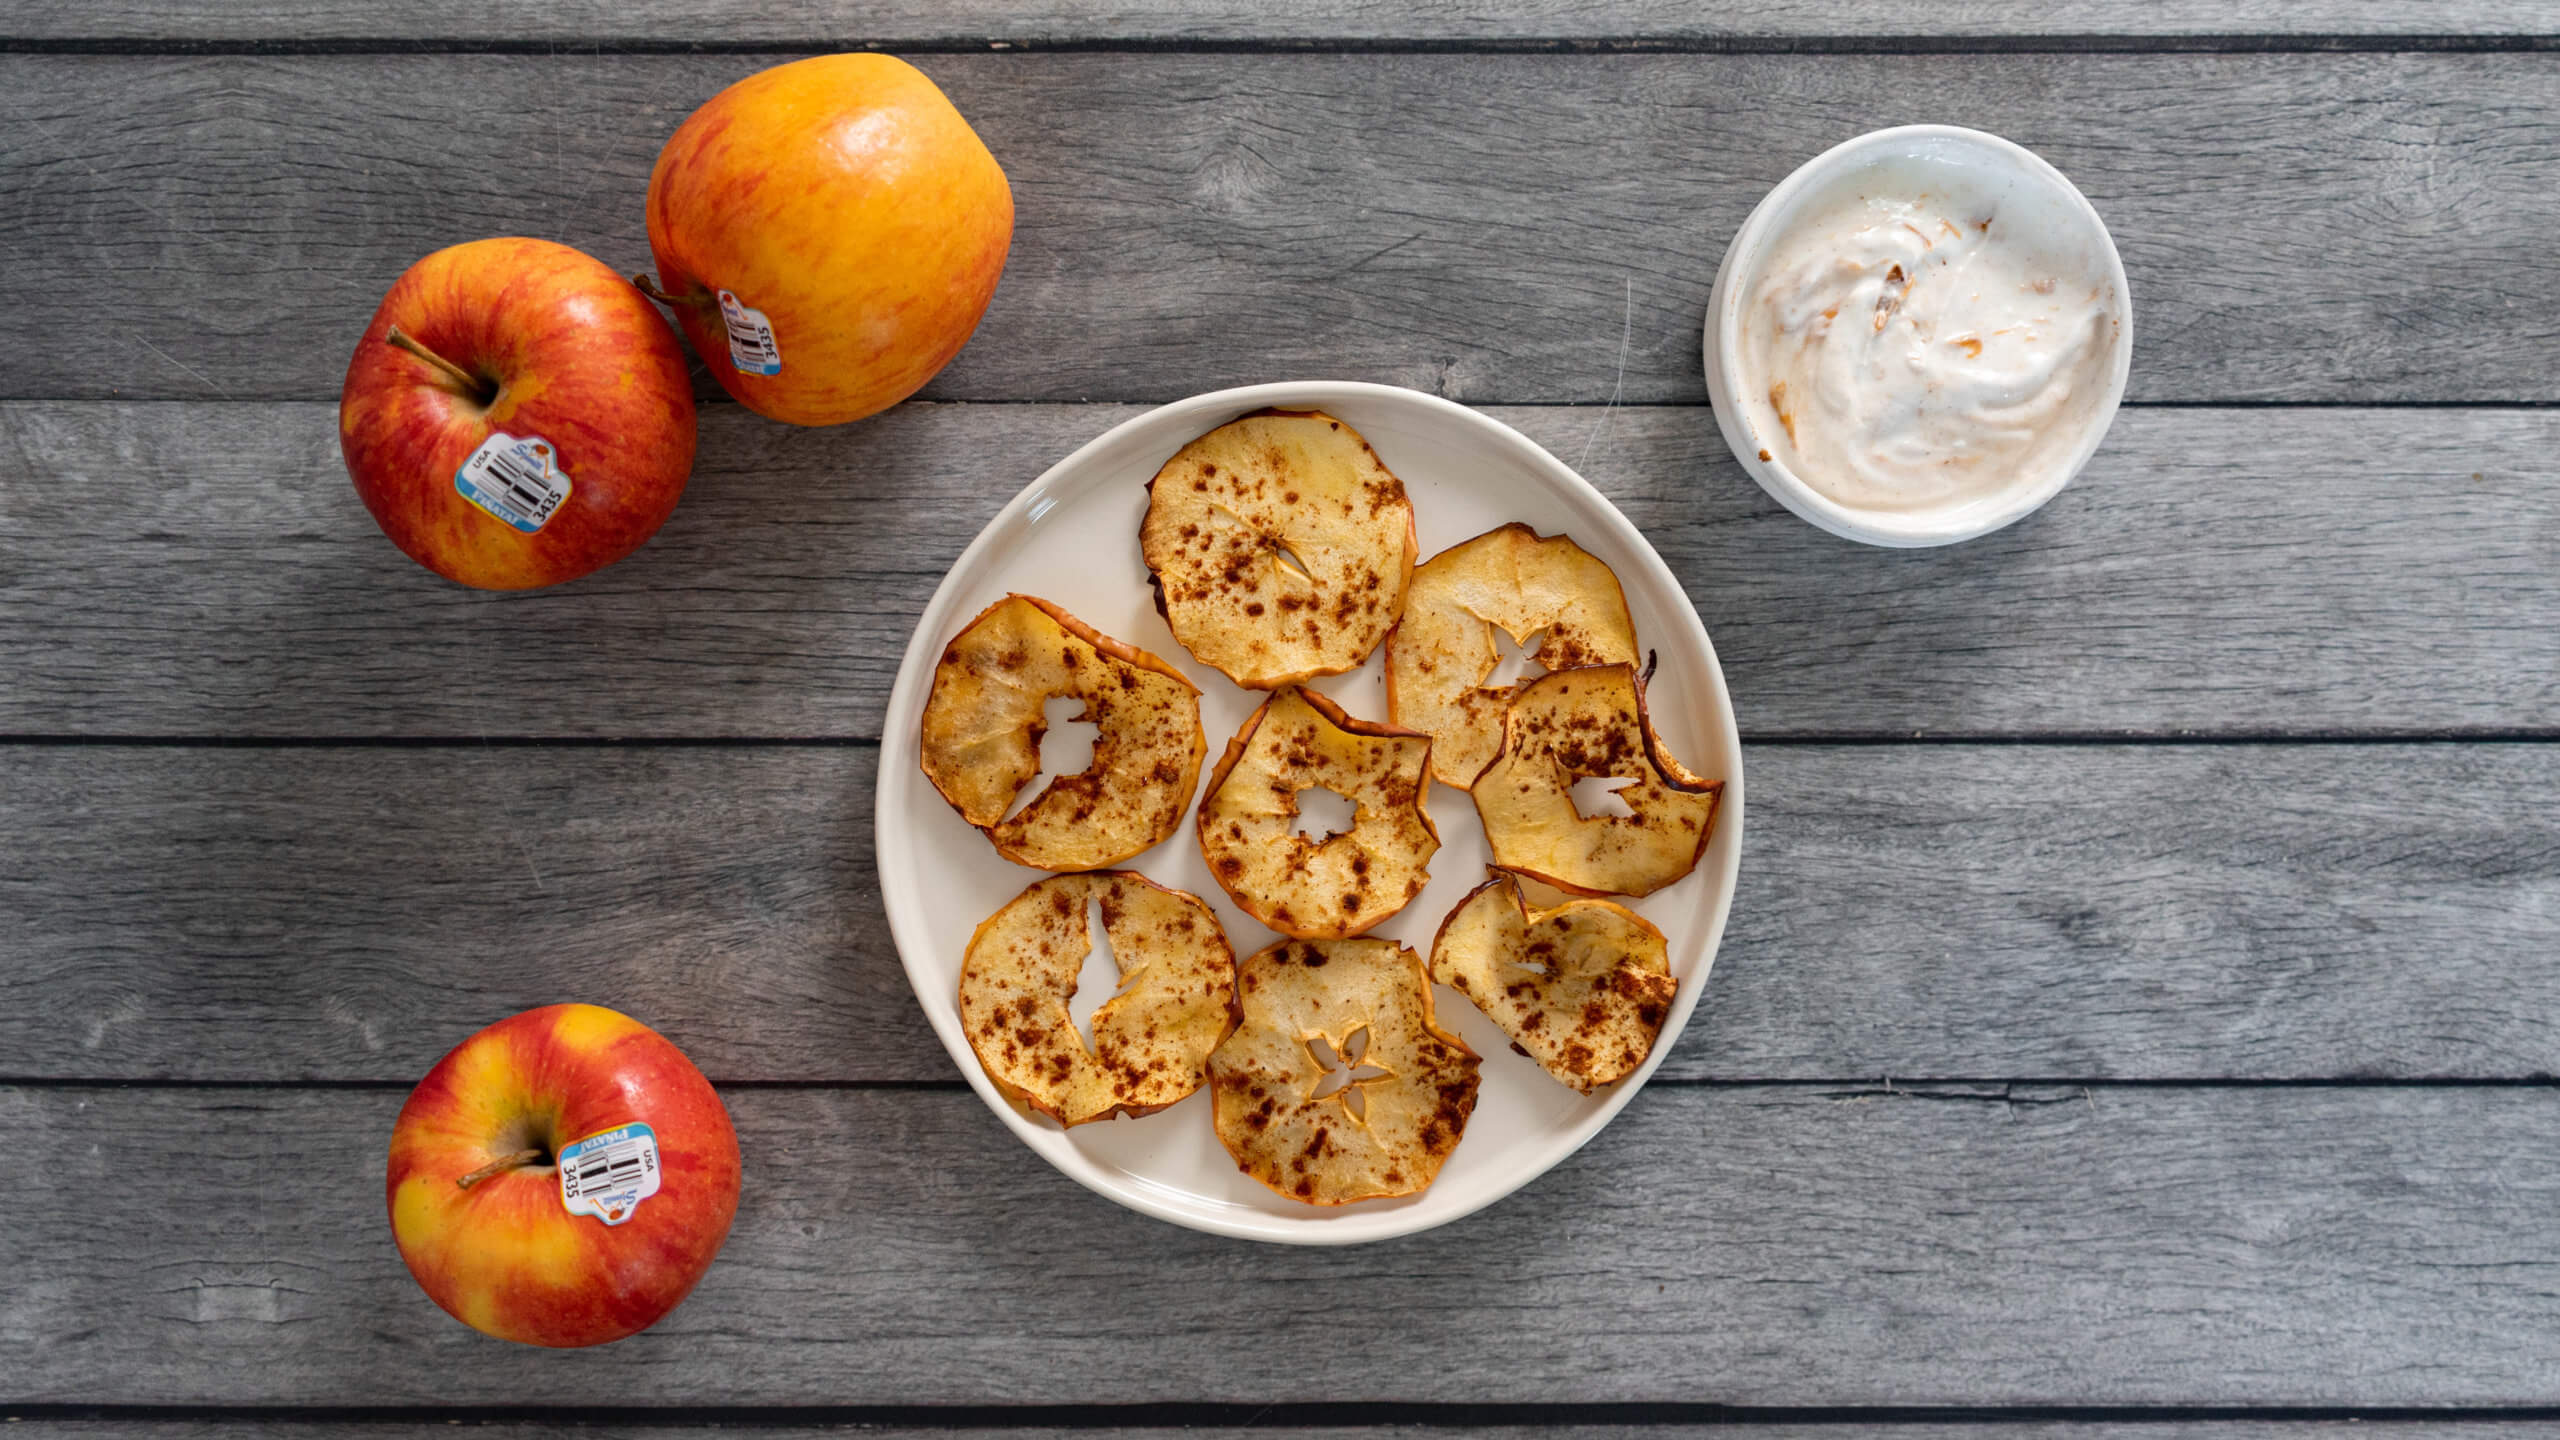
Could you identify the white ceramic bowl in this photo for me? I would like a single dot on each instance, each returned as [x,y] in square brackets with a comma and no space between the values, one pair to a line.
[1072,537]
[2024,181]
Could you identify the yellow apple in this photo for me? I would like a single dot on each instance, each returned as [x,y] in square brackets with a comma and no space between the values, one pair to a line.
[827,233]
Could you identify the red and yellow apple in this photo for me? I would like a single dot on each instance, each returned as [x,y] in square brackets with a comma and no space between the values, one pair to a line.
[827,233]
[517,415]
[511,1245]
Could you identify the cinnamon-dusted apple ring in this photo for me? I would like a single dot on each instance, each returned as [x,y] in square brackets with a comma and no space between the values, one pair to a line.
[1344,883]
[1280,547]
[1151,1040]
[983,722]
[1441,655]
[1582,987]
[1575,725]
[1339,1085]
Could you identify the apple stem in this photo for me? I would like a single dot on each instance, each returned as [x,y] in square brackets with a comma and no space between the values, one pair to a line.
[700,299]
[499,1166]
[472,385]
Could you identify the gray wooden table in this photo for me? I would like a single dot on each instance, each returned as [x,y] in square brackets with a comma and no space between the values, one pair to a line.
[2138,1015]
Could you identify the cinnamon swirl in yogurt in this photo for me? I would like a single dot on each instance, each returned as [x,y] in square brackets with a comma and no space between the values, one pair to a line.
[1916,340]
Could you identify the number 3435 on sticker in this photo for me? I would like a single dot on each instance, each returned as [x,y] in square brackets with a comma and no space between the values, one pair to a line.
[609,1173]
[751,344]
[518,480]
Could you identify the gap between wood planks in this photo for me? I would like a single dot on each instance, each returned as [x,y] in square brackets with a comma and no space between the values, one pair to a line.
[1303,1417]
[2071,44]
[1859,739]
[717,402]
[2028,1090]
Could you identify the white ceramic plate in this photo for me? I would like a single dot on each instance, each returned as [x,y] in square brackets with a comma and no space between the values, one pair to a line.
[1072,538]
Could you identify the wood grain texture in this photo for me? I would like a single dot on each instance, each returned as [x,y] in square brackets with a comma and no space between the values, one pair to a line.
[2271,1247]
[207,570]
[1904,911]
[2349,227]
[913,22]
[1457,1420]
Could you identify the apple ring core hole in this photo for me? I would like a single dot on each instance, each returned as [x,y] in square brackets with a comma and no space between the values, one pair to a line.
[1324,813]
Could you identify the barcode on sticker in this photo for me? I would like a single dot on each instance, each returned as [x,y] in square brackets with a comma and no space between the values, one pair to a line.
[751,346]
[517,480]
[609,1173]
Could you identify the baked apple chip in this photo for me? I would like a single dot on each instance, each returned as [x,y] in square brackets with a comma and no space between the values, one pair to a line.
[984,719]
[1575,725]
[1151,1039]
[1344,883]
[1545,592]
[1582,987]
[1338,1085]
[1280,547]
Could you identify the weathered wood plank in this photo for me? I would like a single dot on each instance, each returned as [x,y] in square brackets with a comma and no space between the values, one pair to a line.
[1916,910]
[2346,227]
[207,570]
[927,22]
[1755,1246]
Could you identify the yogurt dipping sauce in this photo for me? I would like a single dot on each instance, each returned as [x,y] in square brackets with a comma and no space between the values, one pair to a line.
[1921,335]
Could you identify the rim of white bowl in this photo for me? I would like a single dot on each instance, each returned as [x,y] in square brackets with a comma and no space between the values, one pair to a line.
[1723,347]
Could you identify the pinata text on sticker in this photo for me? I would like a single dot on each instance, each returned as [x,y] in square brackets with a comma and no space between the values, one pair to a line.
[609,1173]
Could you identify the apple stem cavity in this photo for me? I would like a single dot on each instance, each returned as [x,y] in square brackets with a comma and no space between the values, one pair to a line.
[481,391]
[700,299]
[499,1166]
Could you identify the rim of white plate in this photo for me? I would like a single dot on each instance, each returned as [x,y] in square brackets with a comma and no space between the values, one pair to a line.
[1183,421]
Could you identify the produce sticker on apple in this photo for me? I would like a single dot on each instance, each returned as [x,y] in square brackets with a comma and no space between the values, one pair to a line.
[608,1174]
[516,480]
[751,346]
